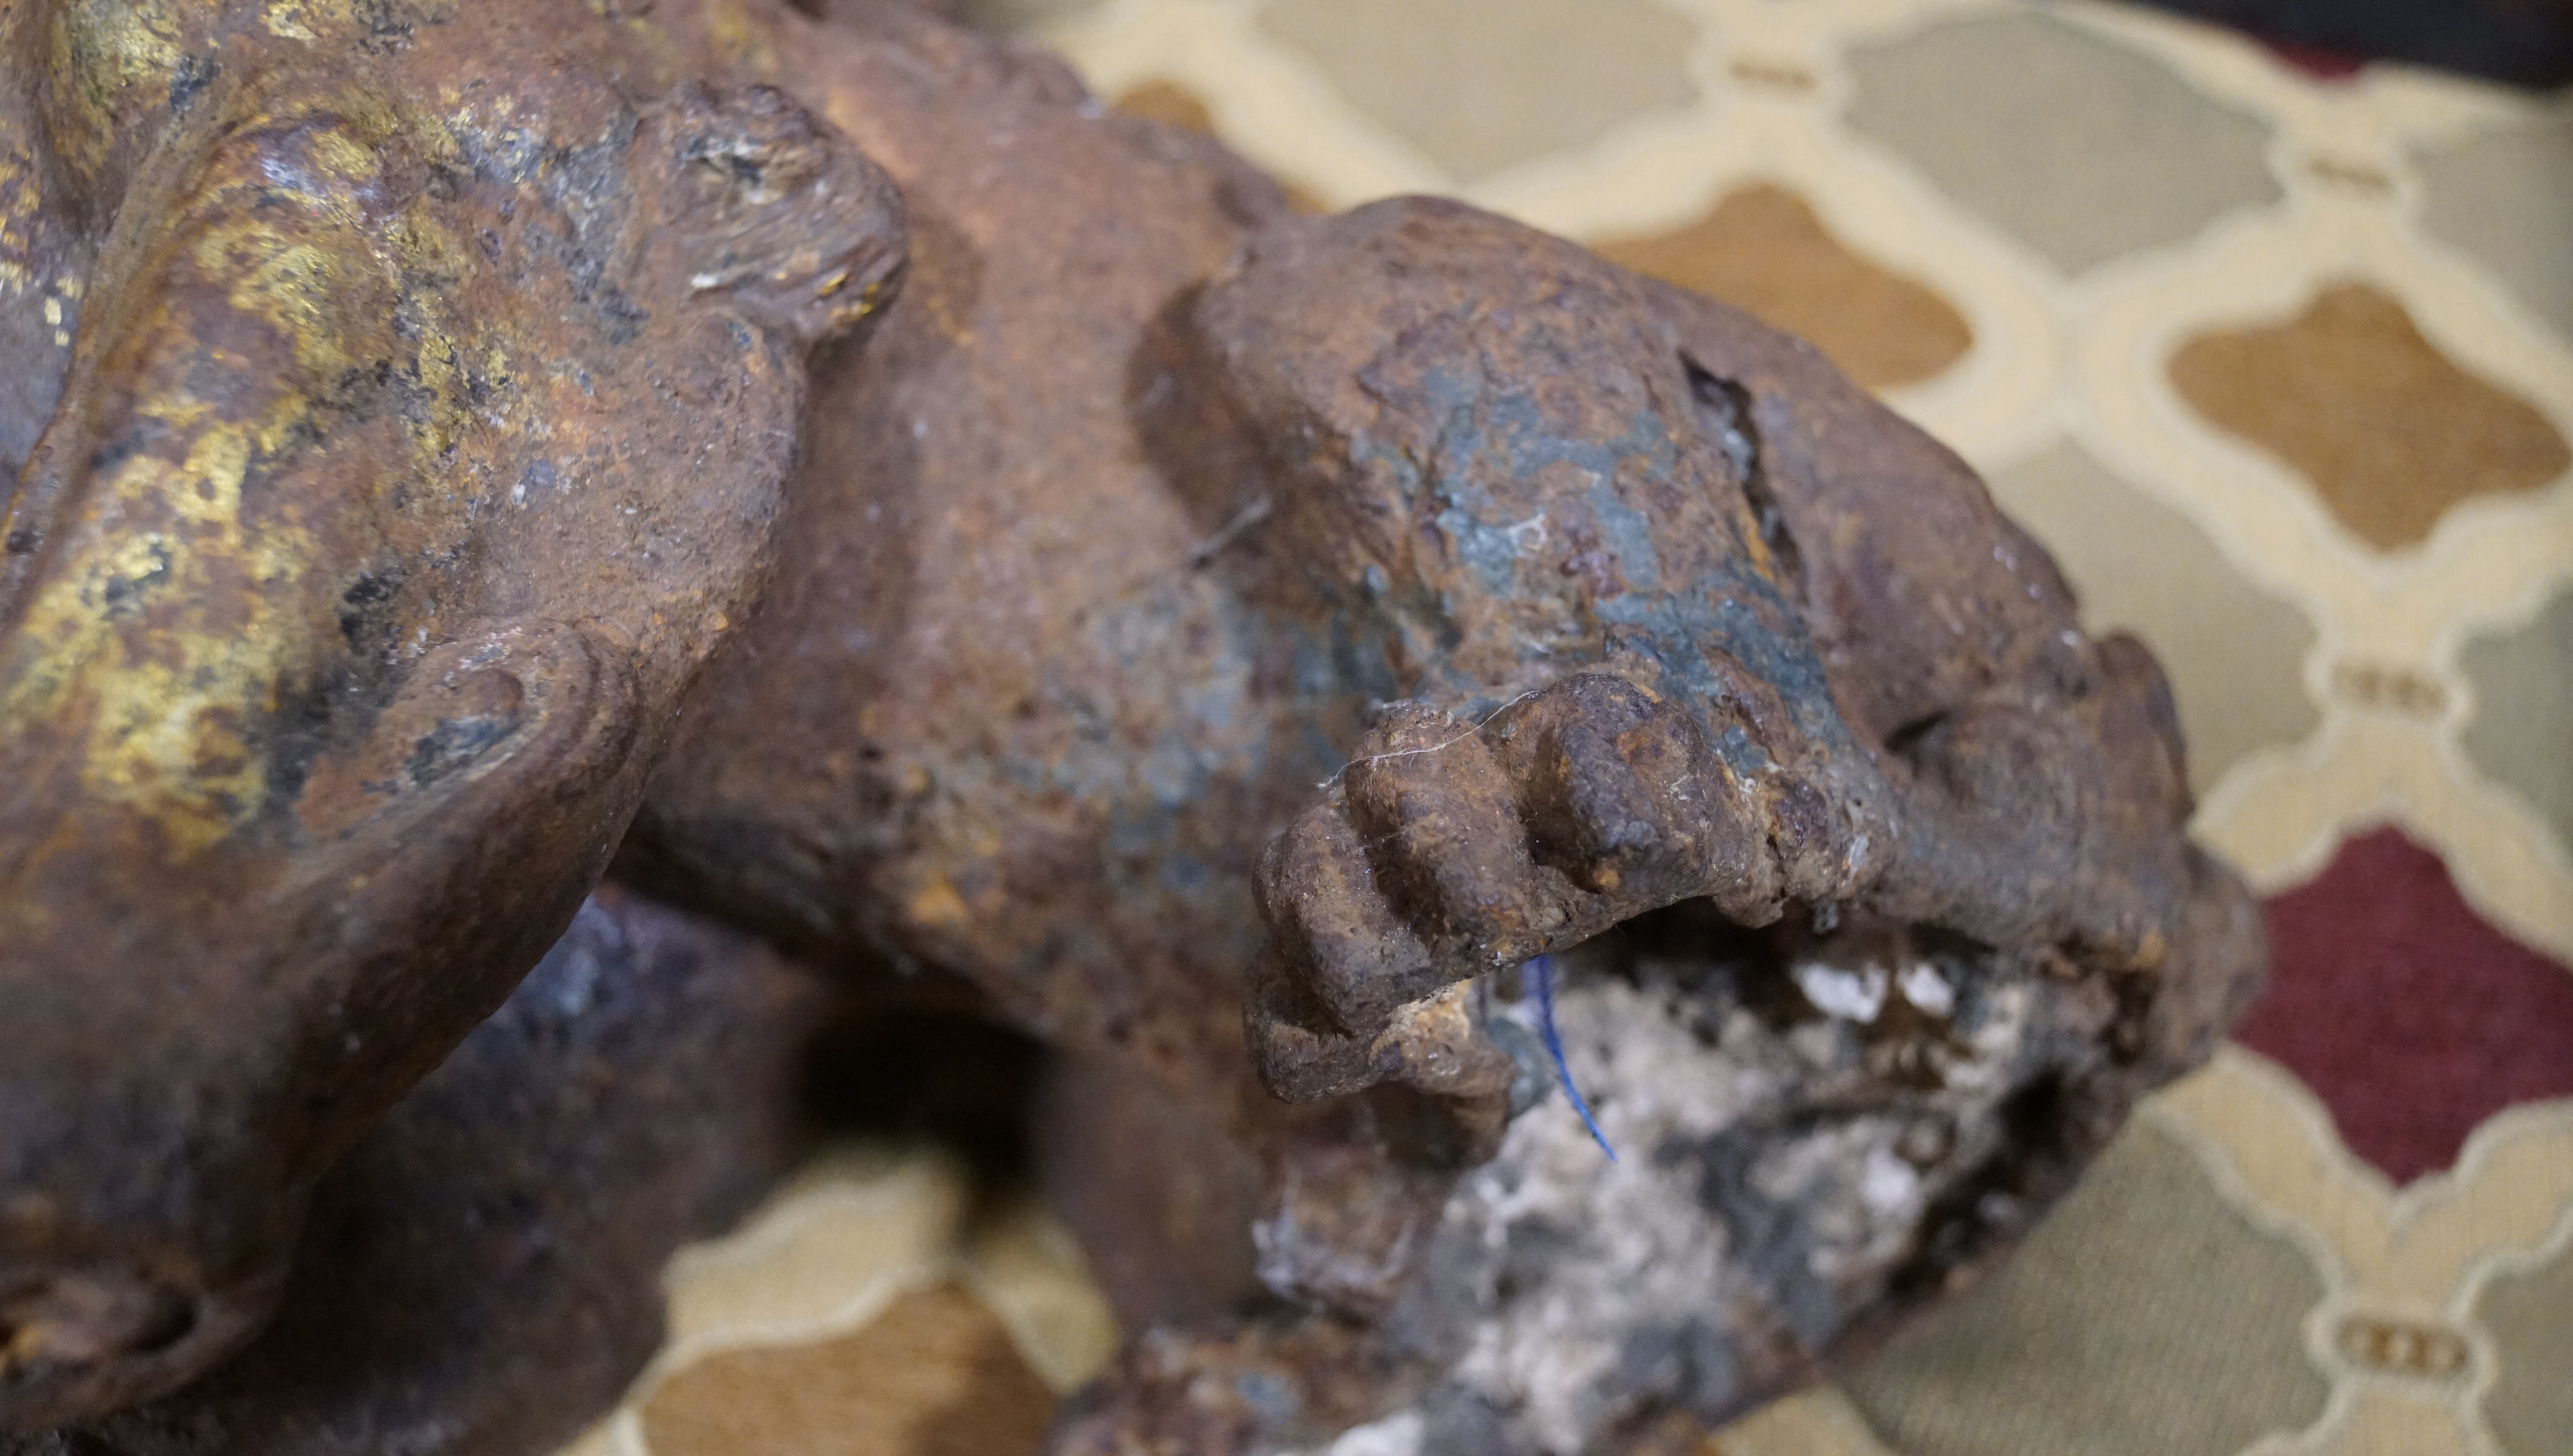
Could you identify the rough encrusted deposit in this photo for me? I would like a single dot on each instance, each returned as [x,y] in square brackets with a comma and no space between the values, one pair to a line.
[1793,1160]
[1219,645]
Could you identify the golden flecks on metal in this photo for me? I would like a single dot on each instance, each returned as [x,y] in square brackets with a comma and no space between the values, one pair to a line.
[175,619]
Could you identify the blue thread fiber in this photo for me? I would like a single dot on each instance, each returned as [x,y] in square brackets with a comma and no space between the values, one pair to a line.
[1540,974]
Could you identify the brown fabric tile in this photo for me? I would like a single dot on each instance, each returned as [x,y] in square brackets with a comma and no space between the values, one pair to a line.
[1169,103]
[934,1375]
[2235,654]
[1479,86]
[1173,105]
[2522,732]
[2529,1314]
[2388,430]
[1761,248]
[2083,150]
[2146,1317]
[2505,197]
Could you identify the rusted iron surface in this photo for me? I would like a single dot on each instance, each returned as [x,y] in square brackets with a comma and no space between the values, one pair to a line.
[1697,619]
[481,1272]
[398,401]
[994,717]
[1151,508]
[1230,644]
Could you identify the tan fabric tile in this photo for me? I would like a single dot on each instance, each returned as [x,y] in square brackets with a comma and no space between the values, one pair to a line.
[2388,430]
[2506,197]
[1761,248]
[1479,86]
[1169,103]
[2235,654]
[2529,1314]
[2522,731]
[2083,150]
[2146,1317]
[934,1375]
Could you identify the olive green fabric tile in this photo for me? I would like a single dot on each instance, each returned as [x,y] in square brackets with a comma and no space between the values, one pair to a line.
[2146,1317]
[2522,730]
[1479,86]
[2505,197]
[2529,1315]
[1021,14]
[2081,150]
[2235,654]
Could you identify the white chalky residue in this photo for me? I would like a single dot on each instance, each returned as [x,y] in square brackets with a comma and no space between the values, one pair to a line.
[1852,996]
[1289,1262]
[1984,1068]
[1925,988]
[1644,1253]
[1397,1435]
[1889,1184]
[1567,1258]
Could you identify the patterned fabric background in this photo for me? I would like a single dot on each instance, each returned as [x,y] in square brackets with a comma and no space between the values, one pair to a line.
[2280,366]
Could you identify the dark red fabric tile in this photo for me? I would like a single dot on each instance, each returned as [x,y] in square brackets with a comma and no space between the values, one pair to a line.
[2410,1017]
